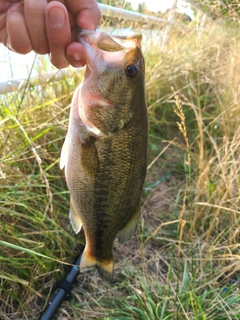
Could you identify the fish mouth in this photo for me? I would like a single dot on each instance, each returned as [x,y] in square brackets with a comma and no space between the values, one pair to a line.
[110,43]
[102,48]
[104,55]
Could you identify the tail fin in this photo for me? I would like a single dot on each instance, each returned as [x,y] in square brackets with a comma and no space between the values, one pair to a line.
[105,270]
[104,267]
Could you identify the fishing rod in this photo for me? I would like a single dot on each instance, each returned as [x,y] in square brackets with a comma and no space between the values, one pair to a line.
[63,290]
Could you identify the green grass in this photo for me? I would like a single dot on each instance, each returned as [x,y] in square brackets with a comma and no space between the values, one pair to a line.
[183,262]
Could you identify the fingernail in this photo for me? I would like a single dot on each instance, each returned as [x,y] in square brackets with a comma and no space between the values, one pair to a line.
[57,17]
[76,60]
[76,56]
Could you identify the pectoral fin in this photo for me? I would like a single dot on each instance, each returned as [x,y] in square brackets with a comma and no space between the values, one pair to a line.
[74,217]
[127,232]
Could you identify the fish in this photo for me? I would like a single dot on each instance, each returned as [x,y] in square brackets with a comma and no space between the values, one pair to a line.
[104,154]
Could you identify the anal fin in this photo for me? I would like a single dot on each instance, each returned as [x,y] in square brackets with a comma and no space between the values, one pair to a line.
[74,217]
[127,232]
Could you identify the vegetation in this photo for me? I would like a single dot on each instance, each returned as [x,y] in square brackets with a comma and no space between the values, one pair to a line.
[184,261]
[227,9]
[118,3]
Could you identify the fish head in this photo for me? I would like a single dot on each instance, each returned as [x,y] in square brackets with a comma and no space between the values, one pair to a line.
[113,80]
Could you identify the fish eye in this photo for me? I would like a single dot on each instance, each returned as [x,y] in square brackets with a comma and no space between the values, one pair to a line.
[131,71]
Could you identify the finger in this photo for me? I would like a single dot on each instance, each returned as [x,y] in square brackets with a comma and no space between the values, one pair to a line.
[3,29]
[86,19]
[34,12]
[76,55]
[4,6]
[87,13]
[18,37]
[58,33]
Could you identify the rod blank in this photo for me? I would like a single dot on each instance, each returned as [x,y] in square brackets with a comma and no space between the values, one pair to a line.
[63,290]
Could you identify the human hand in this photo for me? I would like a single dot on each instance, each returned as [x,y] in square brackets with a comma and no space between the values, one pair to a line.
[46,26]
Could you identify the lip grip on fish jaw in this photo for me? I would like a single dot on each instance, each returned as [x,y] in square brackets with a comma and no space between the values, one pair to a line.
[103,41]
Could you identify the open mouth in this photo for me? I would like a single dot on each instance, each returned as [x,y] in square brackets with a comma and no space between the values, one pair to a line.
[101,48]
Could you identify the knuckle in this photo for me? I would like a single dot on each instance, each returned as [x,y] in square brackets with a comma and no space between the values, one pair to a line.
[40,49]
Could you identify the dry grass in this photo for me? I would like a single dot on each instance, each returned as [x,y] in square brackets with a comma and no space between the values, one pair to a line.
[184,261]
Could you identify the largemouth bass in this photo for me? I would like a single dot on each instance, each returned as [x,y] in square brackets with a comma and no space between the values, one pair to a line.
[105,150]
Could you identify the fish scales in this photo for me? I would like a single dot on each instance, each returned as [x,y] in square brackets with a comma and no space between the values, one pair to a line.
[113,184]
[105,150]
